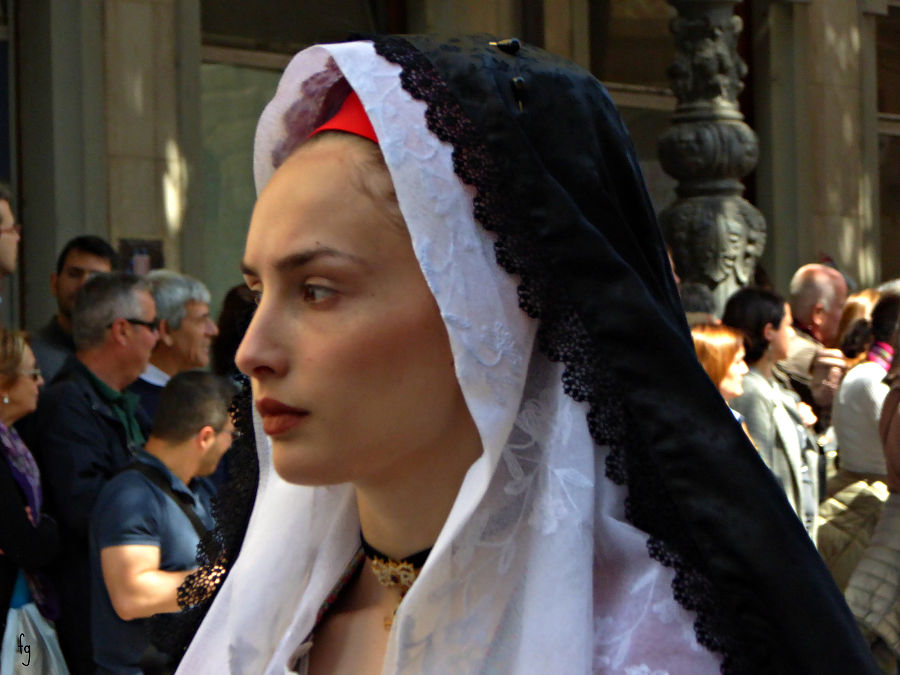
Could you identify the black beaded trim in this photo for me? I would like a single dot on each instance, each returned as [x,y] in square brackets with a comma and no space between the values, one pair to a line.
[417,560]
[219,548]
[562,338]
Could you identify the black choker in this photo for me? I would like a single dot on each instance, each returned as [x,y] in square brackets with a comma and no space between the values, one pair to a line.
[416,560]
[399,574]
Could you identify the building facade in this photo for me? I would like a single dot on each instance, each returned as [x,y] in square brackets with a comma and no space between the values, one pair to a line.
[134,119]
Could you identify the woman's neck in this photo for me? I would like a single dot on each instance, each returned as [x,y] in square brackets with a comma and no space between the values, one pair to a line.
[404,514]
[765,365]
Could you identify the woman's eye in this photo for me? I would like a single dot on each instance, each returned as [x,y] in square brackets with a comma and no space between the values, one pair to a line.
[255,296]
[314,294]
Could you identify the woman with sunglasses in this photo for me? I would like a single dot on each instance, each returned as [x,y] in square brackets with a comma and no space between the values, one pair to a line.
[28,537]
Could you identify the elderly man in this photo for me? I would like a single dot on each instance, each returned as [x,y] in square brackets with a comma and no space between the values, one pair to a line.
[185,333]
[147,522]
[814,367]
[87,427]
[79,259]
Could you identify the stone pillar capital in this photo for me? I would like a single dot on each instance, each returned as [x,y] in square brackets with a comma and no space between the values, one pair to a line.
[715,235]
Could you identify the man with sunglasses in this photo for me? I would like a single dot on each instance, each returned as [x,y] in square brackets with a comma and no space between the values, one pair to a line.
[87,427]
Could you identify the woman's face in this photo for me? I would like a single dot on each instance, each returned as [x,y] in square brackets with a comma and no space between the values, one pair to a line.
[22,389]
[732,384]
[349,359]
[780,340]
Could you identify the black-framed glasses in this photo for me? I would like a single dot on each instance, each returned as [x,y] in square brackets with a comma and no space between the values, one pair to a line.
[152,325]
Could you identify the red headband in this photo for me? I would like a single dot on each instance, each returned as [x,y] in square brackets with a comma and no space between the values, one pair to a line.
[351,118]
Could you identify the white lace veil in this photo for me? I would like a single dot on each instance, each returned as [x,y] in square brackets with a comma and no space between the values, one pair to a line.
[536,569]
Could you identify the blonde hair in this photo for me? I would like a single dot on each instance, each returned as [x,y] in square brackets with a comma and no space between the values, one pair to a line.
[716,348]
[13,344]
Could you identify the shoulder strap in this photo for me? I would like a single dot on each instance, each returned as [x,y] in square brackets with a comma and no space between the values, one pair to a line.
[159,479]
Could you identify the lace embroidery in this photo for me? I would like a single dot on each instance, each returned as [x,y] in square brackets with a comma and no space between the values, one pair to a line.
[231,508]
[562,338]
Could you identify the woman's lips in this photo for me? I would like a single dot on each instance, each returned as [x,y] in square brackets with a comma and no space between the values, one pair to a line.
[278,418]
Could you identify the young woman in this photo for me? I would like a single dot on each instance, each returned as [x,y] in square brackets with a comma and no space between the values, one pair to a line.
[775,420]
[469,349]
[720,350]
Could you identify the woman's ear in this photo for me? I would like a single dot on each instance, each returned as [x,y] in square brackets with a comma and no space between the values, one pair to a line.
[769,332]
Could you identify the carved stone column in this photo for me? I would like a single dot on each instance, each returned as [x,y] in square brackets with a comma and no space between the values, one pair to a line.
[716,236]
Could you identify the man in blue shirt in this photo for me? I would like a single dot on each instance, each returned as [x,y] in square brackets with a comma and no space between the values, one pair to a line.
[146,523]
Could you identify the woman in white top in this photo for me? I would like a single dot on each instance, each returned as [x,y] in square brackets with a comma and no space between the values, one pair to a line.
[857,404]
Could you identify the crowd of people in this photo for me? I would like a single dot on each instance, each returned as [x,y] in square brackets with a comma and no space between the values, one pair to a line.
[112,428]
[818,396]
[482,439]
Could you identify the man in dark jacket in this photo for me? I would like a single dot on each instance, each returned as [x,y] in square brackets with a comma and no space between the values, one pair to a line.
[86,428]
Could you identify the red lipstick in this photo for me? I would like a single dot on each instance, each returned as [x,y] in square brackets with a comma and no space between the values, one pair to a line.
[278,418]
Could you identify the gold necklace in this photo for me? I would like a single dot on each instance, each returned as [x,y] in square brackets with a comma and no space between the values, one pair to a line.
[394,574]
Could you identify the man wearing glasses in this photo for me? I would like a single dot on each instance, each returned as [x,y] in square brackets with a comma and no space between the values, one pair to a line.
[86,428]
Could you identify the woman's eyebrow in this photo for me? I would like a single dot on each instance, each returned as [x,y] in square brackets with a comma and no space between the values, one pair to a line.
[299,259]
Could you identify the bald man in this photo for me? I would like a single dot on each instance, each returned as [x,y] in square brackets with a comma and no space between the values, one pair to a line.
[814,366]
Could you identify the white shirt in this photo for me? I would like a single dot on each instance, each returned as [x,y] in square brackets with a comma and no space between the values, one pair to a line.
[857,408]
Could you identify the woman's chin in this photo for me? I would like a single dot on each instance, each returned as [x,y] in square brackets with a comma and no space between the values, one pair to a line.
[295,466]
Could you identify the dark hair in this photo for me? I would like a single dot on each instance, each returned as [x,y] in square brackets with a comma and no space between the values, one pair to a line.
[237,310]
[191,400]
[88,243]
[696,297]
[880,328]
[749,310]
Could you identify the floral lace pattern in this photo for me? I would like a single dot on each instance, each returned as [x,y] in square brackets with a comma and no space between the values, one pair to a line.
[561,336]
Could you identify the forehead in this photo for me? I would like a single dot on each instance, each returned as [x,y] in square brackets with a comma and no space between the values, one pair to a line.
[195,308]
[311,202]
[86,261]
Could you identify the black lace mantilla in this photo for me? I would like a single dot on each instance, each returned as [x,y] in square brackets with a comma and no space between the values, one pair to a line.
[563,338]
[217,550]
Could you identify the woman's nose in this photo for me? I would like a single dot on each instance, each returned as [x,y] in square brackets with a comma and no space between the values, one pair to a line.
[260,352]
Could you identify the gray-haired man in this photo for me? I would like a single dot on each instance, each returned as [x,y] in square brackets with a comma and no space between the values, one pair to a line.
[86,428]
[185,333]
